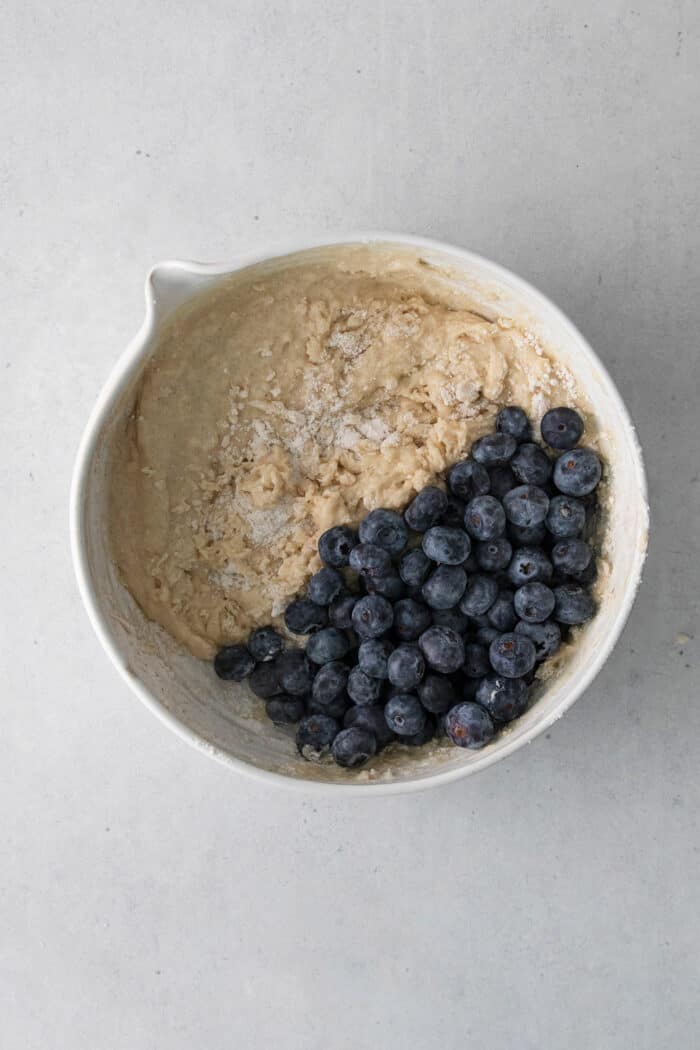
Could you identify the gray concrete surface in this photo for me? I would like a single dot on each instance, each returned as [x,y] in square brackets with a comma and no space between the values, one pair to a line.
[148,897]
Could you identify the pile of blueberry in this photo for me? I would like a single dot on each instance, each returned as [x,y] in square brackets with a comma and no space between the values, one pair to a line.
[433,621]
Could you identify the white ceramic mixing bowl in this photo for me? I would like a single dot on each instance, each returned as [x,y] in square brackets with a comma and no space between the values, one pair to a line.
[225,720]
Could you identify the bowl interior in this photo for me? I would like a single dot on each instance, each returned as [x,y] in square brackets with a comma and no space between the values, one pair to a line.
[226,719]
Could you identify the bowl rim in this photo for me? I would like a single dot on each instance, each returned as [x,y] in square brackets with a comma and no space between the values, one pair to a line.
[110,391]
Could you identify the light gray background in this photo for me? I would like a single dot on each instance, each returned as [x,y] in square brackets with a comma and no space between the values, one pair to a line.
[149,898]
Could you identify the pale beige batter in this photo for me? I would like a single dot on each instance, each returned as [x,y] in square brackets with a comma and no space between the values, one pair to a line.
[287,401]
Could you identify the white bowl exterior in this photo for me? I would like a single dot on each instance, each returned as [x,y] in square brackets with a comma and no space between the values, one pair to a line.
[184,692]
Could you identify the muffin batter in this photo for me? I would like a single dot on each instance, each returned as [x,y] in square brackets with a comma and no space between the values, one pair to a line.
[292,399]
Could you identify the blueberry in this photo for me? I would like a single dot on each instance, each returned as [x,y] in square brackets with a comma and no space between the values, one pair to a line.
[526,505]
[411,618]
[265,680]
[476,661]
[502,480]
[578,472]
[443,649]
[469,725]
[328,644]
[512,420]
[353,747]
[479,596]
[414,567]
[415,592]
[494,555]
[444,588]
[371,617]
[561,427]
[426,509]
[503,698]
[362,689]
[315,735]
[573,604]
[527,535]
[531,465]
[340,611]
[546,637]
[512,655]
[386,529]
[285,710]
[325,585]
[302,616]
[336,708]
[391,587]
[294,672]
[335,544]
[447,546]
[404,714]
[372,657]
[233,663]
[371,718]
[329,686]
[467,479]
[436,693]
[265,644]
[494,449]
[423,736]
[501,615]
[571,556]
[534,602]
[406,667]
[588,575]
[465,687]
[485,635]
[370,560]
[529,565]
[454,513]
[452,618]
[566,517]
[484,518]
